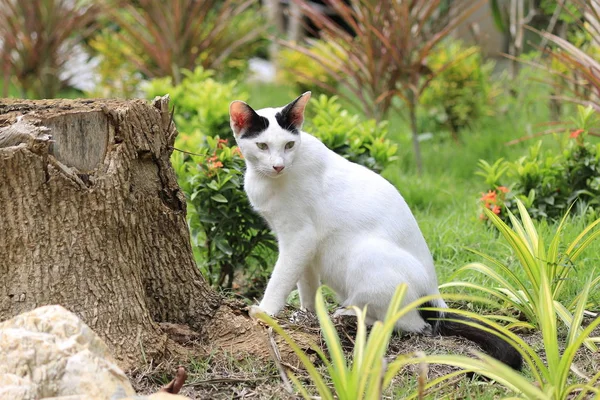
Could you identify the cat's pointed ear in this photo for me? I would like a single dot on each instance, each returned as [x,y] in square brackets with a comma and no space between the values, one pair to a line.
[245,121]
[291,117]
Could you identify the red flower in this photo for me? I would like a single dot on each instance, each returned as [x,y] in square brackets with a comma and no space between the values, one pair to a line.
[489,197]
[503,189]
[221,143]
[575,134]
[496,210]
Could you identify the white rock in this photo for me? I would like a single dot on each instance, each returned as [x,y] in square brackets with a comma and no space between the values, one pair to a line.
[50,353]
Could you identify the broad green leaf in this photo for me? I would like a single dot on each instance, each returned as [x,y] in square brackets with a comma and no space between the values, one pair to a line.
[219,198]
[223,245]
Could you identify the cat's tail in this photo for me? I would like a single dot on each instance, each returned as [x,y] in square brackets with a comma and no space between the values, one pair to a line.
[489,343]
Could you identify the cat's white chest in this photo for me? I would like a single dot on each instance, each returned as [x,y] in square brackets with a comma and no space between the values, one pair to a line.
[265,195]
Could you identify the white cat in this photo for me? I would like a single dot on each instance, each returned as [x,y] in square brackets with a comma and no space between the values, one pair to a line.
[338,223]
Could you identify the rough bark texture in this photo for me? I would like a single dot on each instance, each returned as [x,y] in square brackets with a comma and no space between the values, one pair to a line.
[92,218]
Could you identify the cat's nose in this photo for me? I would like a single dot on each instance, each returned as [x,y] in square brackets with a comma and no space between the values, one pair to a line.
[278,168]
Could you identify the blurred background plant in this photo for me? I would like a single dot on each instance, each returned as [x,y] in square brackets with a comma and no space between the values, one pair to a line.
[361,141]
[302,71]
[163,37]
[201,102]
[386,46]
[463,92]
[549,182]
[576,66]
[37,41]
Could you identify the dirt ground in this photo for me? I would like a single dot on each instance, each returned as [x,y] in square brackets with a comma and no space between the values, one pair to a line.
[222,377]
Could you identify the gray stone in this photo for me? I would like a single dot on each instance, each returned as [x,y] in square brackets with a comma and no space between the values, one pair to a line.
[50,353]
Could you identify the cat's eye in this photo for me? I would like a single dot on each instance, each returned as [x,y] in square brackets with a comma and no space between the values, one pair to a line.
[262,146]
[289,145]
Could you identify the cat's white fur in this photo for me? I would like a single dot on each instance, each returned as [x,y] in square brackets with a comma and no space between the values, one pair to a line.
[337,223]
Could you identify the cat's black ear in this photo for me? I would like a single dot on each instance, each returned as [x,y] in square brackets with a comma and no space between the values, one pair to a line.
[244,121]
[291,116]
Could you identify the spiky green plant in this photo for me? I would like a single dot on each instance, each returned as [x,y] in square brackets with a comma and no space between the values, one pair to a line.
[551,378]
[368,374]
[539,263]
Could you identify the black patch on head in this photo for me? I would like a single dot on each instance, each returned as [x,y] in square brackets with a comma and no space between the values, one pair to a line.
[284,117]
[257,125]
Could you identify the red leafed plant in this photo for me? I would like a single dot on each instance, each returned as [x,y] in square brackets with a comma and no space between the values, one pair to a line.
[37,39]
[578,71]
[385,53]
[166,36]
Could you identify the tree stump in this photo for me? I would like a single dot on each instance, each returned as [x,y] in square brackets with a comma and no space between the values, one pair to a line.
[92,219]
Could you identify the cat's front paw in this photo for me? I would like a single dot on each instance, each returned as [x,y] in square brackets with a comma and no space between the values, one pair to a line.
[255,310]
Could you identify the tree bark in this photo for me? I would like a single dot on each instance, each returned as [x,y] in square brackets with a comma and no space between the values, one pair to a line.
[92,218]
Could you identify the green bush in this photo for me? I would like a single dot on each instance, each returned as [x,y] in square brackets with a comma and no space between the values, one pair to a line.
[119,77]
[301,70]
[163,37]
[201,103]
[362,142]
[463,91]
[548,183]
[226,233]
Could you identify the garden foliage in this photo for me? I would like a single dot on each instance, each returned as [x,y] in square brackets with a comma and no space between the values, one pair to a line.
[201,105]
[368,374]
[162,37]
[549,182]
[37,41]
[301,70]
[361,141]
[463,92]
[520,290]
[227,235]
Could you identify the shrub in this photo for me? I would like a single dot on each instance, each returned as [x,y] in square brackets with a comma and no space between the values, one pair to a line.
[302,70]
[163,37]
[362,142]
[118,77]
[463,91]
[225,231]
[37,40]
[201,104]
[551,377]
[576,68]
[548,183]
[386,55]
